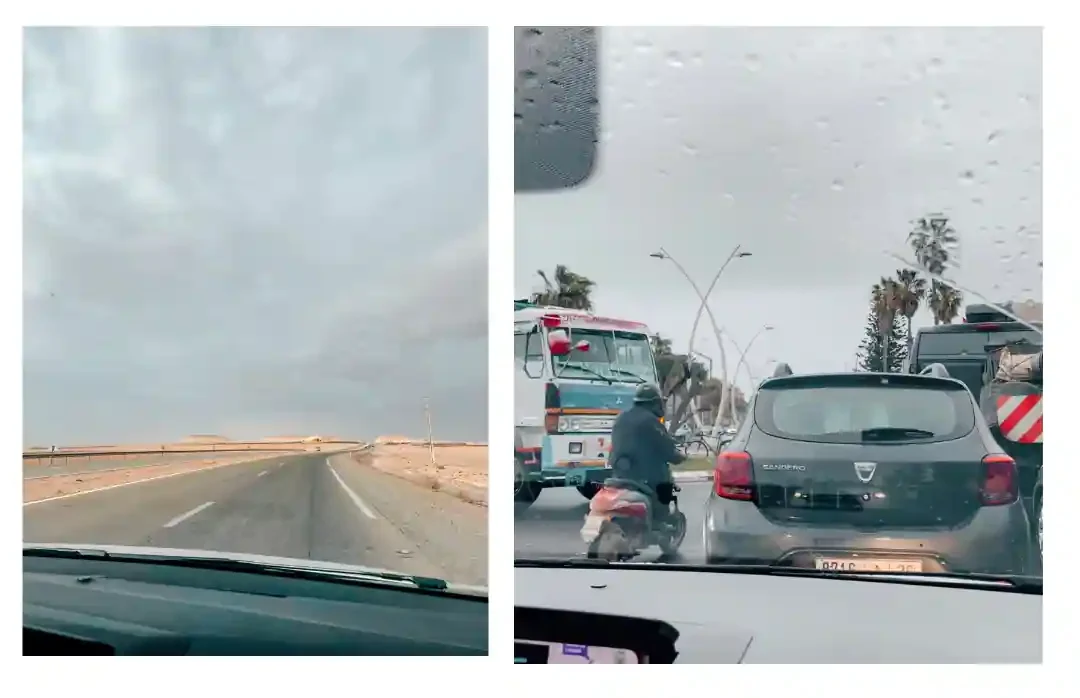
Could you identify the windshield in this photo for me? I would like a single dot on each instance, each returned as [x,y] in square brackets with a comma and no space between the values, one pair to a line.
[973,343]
[255,293]
[773,198]
[843,414]
[618,356]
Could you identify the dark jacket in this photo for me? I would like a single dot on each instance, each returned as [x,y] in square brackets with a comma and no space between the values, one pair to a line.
[641,448]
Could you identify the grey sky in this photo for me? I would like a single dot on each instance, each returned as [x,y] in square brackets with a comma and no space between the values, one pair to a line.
[811,147]
[254,232]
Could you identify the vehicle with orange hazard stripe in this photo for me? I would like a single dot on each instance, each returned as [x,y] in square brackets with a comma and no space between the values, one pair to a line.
[1000,359]
[1011,400]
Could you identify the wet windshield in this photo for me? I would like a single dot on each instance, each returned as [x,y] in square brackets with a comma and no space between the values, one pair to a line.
[618,356]
[829,193]
[255,301]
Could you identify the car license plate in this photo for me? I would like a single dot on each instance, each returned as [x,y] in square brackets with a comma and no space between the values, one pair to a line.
[847,564]
[592,527]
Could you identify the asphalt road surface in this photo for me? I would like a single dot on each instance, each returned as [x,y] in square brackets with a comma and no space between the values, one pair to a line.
[316,506]
[551,527]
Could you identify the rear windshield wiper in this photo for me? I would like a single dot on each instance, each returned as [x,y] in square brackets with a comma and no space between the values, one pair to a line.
[886,433]
[231,565]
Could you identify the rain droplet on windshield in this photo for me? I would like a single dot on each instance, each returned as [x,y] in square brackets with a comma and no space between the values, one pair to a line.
[837,185]
[753,62]
[674,59]
[967,177]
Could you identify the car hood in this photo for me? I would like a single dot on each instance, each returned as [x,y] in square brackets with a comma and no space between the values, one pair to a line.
[339,568]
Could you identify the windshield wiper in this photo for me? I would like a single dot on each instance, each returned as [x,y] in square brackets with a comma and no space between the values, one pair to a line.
[885,433]
[232,565]
[624,372]
[1023,584]
[582,367]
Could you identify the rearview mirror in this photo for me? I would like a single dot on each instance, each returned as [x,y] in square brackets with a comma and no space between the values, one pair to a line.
[556,107]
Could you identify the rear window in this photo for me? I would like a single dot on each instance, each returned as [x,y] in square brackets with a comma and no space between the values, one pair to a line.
[953,343]
[864,414]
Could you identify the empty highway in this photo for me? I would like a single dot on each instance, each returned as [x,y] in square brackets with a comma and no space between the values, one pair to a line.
[317,506]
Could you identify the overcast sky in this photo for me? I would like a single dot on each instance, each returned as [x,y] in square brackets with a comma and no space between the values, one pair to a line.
[254,232]
[813,148]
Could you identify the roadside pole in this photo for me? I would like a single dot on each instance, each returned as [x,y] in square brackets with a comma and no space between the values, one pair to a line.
[430,439]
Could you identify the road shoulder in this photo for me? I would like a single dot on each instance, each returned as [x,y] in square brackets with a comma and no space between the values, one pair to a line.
[445,531]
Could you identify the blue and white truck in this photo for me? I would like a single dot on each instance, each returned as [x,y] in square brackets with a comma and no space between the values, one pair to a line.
[574,373]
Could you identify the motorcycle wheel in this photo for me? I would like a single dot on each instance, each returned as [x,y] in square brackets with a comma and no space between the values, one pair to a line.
[611,545]
[669,544]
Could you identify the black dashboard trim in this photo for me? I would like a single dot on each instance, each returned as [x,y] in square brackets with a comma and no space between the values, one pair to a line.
[144,608]
[647,637]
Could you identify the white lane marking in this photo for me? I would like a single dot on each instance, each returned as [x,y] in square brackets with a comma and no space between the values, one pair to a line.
[135,482]
[352,495]
[184,517]
[261,474]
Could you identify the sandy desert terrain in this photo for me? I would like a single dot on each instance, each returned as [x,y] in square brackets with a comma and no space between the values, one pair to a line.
[459,470]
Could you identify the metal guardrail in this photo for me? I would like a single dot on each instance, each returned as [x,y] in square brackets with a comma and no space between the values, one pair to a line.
[229,447]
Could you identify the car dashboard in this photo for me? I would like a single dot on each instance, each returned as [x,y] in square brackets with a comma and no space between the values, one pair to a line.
[733,618]
[104,607]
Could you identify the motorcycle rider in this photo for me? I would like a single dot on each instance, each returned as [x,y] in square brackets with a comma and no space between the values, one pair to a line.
[642,448]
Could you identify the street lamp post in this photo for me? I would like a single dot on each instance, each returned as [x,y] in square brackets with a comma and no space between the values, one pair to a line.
[704,298]
[731,338]
[742,360]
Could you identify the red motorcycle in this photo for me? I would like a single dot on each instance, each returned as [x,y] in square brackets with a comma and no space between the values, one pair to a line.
[621,524]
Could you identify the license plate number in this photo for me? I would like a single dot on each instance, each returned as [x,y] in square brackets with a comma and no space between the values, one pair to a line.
[867,565]
[591,529]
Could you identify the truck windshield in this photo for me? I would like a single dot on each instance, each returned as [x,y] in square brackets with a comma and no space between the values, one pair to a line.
[623,357]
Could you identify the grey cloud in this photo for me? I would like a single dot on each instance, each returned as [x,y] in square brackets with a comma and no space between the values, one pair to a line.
[811,147]
[204,210]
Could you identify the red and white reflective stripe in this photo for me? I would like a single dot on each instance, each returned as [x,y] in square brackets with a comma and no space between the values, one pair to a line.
[1020,418]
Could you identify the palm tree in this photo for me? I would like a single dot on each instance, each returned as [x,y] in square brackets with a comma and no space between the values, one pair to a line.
[944,302]
[933,240]
[569,290]
[912,291]
[886,298]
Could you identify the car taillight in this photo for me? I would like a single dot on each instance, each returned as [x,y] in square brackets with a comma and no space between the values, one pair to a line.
[733,477]
[1000,482]
[551,423]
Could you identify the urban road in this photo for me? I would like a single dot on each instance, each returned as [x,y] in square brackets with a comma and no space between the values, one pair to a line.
[314,506]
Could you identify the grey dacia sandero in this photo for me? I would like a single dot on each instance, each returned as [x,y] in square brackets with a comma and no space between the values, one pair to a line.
[867,472]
